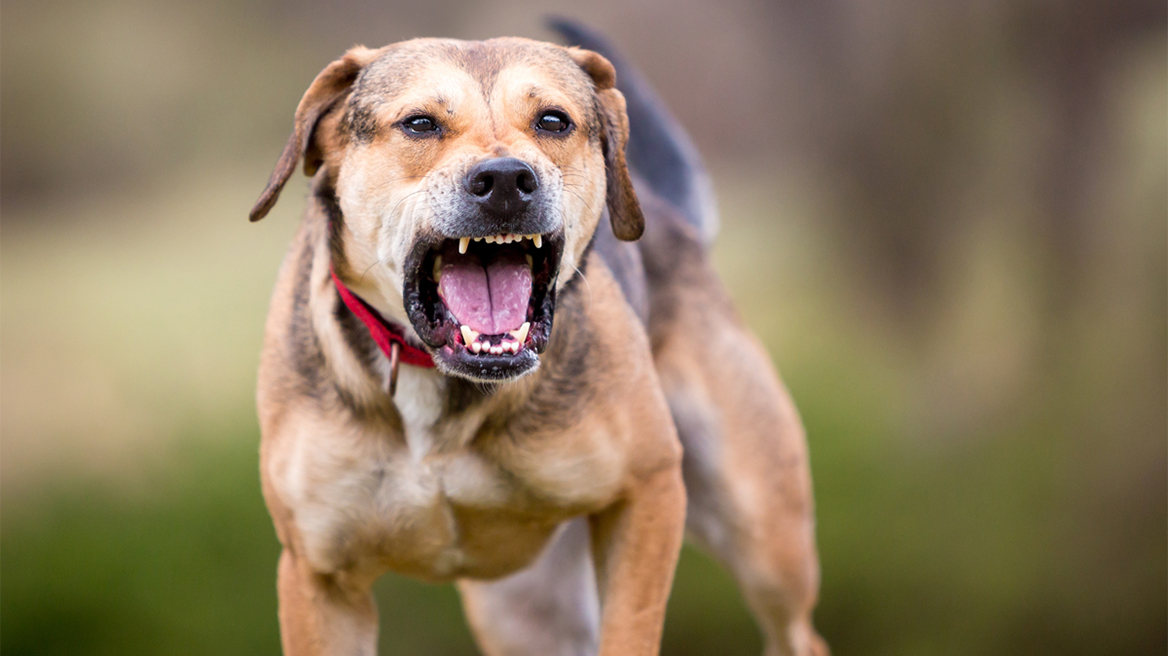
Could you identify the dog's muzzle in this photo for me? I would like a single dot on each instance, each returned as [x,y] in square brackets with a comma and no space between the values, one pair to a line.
[483,298]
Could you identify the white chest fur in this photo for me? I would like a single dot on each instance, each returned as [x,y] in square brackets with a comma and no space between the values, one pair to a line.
[419,402]
[363,498]
[435,502]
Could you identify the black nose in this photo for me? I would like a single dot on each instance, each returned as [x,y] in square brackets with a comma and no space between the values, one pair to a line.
[503,185]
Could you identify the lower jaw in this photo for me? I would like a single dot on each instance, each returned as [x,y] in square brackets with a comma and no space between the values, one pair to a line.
[455,360]
[438,327]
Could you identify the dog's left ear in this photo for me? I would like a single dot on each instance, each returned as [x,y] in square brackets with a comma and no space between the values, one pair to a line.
[623,208]
[329,86]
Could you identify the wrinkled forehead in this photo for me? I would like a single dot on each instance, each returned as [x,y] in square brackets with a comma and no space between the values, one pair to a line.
[464,75]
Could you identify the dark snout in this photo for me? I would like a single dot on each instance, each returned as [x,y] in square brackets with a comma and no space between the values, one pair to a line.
[503,186]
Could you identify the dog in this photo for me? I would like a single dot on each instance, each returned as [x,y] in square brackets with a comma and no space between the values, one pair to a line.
[497,354]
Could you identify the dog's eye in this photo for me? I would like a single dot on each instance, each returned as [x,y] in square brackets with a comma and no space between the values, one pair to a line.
[420,124]
[552,122]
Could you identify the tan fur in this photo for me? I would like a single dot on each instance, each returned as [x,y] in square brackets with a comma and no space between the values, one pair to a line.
[359,484]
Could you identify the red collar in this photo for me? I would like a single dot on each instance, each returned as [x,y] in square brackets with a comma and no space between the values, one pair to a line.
[384,332]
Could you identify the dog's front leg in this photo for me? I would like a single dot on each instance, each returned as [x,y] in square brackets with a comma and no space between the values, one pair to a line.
[324,615]
[636,543]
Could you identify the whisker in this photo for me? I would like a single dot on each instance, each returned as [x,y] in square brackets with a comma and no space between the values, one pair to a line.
[391,217]
[407,196]
[586,284]
[407,177]
[586,203]
[362,278]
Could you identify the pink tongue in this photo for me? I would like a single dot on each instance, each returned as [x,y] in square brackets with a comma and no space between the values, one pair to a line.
[491,301]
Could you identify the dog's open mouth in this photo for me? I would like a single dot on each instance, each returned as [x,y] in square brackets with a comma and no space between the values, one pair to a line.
[485,304]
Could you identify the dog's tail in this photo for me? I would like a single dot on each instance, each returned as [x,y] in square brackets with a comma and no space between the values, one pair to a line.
[659,151]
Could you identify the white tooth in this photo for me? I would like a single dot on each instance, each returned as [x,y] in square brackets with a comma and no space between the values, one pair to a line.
[538,239]
[468,335]
[476,347]
[514,347]
[520,334]
[508,239]
[478,238]
[489,239]
[463,244]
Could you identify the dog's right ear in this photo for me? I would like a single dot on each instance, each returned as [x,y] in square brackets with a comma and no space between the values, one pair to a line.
[329,86]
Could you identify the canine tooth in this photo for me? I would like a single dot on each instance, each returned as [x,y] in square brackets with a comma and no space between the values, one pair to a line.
[463,244]
[468,335]
[437,268]
[530,262]
[538,239]
[520,334]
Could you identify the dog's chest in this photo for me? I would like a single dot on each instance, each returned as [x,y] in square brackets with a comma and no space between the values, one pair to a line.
[432,505]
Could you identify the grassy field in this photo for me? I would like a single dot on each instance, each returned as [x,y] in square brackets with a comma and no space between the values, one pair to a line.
[987,486]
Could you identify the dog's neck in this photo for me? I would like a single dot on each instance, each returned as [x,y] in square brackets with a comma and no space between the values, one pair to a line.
[390,336]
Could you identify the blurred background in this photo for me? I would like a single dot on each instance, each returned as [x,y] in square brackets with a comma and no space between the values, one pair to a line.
[948,222]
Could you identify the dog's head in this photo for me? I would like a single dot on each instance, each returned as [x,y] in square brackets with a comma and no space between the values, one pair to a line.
[468,178]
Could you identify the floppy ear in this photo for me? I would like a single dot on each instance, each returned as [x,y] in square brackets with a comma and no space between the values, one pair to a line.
[623,208]
[329,86]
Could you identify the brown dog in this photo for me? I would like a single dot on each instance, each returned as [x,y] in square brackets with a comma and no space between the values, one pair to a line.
[460,194]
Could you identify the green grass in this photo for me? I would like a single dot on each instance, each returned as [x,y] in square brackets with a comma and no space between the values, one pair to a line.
[997,489]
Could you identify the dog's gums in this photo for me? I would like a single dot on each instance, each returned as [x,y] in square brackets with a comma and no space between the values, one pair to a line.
[484,303]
